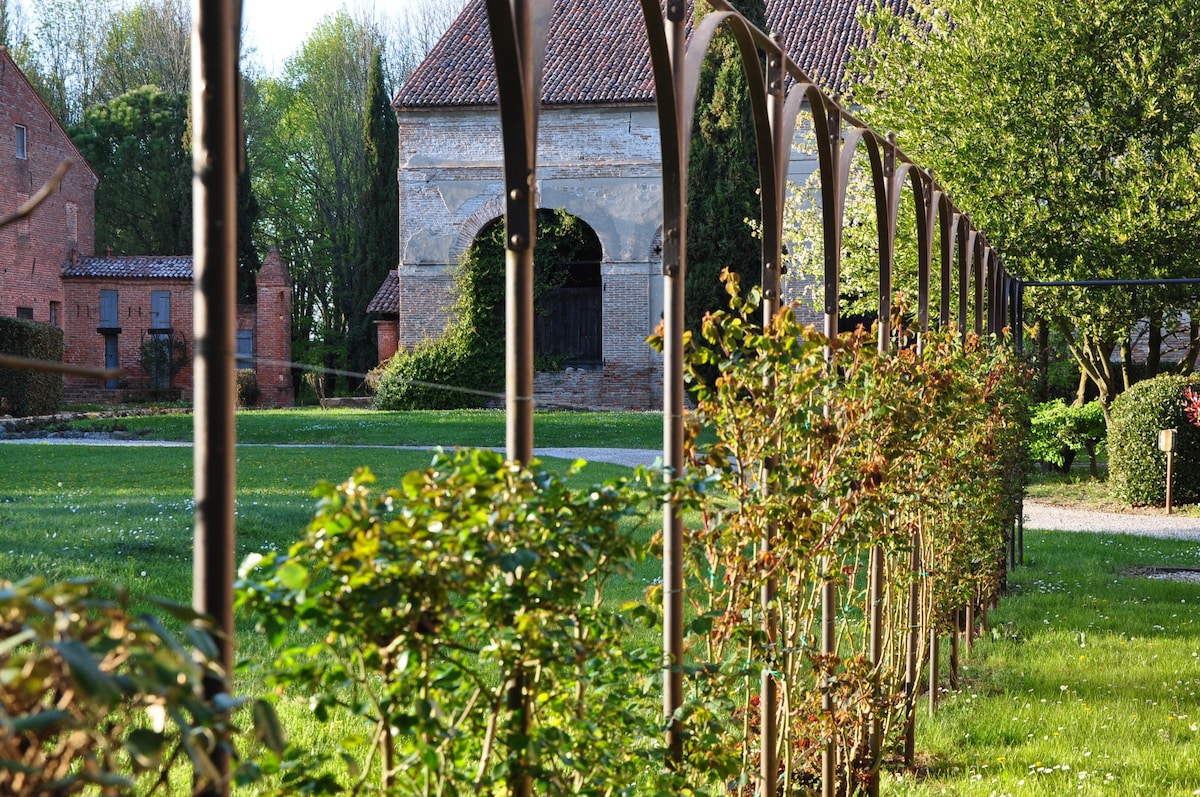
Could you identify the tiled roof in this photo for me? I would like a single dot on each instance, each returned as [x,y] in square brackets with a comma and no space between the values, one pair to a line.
[138,266]
[597,52]
[387,298]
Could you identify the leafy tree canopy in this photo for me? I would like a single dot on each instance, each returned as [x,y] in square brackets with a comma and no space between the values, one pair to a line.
[137,143]
[1070,130]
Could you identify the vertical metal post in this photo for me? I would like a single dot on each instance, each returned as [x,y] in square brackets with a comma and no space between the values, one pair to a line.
[772,254]
[215,148]
[911,675]
[519,29]
[834,194]
[674,272]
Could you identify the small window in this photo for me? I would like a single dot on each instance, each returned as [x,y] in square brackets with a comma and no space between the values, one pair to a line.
[25,312]
[56,314]
[21,154]
[160,309]
[108,310]
[245,348]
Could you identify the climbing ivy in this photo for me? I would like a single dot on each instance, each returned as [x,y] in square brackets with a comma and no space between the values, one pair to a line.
[470,354]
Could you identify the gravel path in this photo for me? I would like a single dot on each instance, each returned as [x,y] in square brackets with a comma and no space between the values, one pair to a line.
[1045,516]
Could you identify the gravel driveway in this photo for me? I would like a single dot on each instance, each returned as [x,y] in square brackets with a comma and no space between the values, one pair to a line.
[1045,516]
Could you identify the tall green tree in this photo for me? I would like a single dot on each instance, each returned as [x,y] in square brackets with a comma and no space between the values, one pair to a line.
[379,243]
[722,175]
[308,129]
[137,143]
[1070,130]
[146,44]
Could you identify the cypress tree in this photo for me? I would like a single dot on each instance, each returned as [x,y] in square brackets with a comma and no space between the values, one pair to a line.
[722,175]
[379,244]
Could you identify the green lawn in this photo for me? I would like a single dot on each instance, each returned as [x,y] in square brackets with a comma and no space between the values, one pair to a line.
[1088,682]
[422,428]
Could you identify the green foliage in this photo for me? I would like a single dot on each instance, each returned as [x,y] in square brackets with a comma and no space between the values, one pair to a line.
[829,449]
[722,176]
[1137,470]
[137,143]
[96,699]
[247,387]
[461,615]
[470,353]
[442,374]
[1068,149]
[1058,432]
[24,392]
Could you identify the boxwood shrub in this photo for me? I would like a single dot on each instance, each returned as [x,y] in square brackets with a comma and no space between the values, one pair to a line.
[24,392]
[1137,470]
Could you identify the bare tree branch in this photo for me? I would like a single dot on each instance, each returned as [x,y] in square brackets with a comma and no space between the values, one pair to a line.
[47,366]
[46,190]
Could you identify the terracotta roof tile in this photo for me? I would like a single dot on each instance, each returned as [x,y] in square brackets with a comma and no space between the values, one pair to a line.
[387,298]
[134,267]
[597,52]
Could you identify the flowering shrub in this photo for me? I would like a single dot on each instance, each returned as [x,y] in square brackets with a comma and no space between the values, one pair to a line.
[828,449]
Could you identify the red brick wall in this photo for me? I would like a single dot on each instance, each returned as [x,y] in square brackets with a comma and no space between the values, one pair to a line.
[83,343]
[273,339]
[33,252]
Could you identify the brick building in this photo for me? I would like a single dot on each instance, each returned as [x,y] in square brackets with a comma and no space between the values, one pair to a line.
[33,251]
[598,159]
[134,313]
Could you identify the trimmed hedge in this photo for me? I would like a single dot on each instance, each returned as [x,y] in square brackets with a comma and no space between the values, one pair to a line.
[1137,470]
[24,392]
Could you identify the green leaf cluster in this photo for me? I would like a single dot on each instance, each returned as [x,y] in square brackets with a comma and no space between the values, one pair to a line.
[1058,432]
[97,699]
[1068,129]
[461,616]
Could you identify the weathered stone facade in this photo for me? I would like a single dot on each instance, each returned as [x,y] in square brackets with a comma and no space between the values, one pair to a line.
[599,164]
[598,159]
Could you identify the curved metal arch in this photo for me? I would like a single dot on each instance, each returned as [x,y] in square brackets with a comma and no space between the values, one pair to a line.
[965,247]
[966,270]
[979,251]
[901,173]
[908,172]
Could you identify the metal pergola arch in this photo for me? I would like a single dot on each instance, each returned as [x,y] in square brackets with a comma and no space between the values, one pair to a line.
[519,30]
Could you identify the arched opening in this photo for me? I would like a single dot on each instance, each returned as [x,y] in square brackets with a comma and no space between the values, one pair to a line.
[568,288]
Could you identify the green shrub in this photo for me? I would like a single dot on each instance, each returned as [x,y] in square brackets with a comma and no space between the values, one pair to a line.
[462,619]
[452,372]
[247,387]
[1059,432]
[1137,469]
[96,699]
[24,392]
